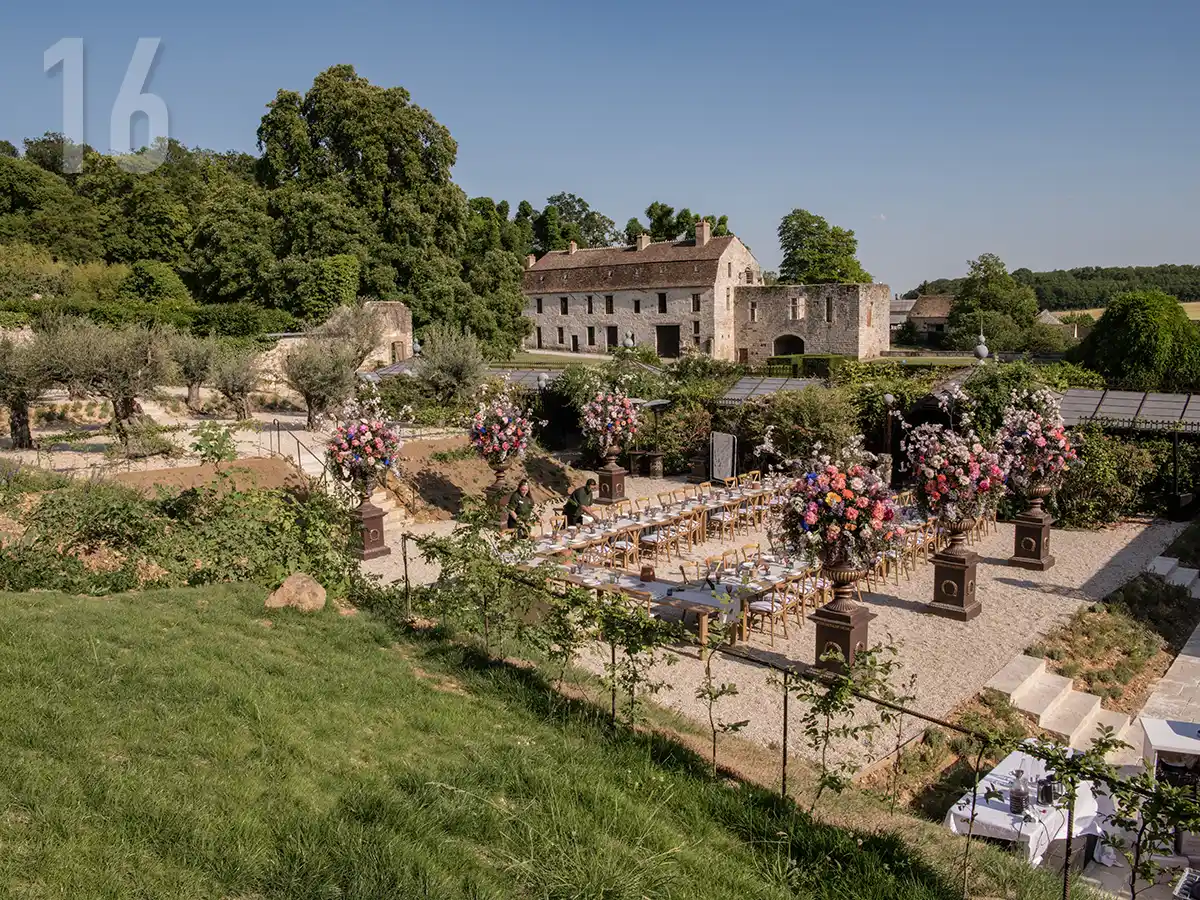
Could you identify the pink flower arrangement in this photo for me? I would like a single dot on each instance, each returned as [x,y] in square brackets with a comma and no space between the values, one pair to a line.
[362,450]
[958,478]
[500,429]
[1036,446]
[840,517]
[611,418]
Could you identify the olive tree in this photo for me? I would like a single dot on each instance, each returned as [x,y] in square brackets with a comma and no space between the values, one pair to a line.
[24,376]
[194,358]
[322,372]
[356,328]
[452,364]
[234,374]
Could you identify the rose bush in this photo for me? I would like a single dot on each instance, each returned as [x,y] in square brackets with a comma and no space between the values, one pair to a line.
[500,429]
[839,517]
[363,451]
[610,418]
[958,478]
[1034,444]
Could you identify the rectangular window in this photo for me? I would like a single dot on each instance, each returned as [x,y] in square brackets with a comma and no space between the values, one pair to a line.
[696,340]
[695,303]
[868,317]
[662,303]
[591,336]
[753,311]
[539,337]
[608,304]
[696,327]
[728,295]
[589,302]
[729,274]
[562,305]
[794,309]
[560,336]
[637,304]
[539,305]
[828,309]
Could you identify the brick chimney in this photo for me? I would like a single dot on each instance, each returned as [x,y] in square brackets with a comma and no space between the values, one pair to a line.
[572,247]
[643,241]
[530,260]
[703,232]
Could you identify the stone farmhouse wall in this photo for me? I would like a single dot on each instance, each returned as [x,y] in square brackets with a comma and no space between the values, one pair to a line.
[847,319]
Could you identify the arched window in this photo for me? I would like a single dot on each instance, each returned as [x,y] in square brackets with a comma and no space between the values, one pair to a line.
[788,345]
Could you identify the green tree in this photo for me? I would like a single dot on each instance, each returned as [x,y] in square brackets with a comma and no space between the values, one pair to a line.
[452,364]
[326,285]
[39,208]
[232,257]
[153,282]
[593,228]
[1144,342]
[193,357]
[7,148]
[24,376]
[990,288]
[815,252]
[322,372]
[235,374]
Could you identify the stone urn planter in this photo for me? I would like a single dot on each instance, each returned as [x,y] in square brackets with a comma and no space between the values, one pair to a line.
[499,489]
[611,477]
[1031,542]
[369,520]
[954,571]
[842,624]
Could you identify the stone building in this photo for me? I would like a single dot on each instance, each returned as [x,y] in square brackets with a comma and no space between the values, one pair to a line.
[705,294]
[930,313]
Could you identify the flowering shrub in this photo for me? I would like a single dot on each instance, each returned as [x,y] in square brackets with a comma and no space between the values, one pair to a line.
[1035,444]
[500,429]
[363,451]
[610,418]
[840,517]
[957,477]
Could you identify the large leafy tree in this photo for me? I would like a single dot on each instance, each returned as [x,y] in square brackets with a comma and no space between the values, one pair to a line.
[39,208]
[24,376]
[1145,342]
[593,228]
[9,149]
[815,252]
[665,224]
[989,287]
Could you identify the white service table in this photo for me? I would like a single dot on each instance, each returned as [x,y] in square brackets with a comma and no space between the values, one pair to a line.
[993,820]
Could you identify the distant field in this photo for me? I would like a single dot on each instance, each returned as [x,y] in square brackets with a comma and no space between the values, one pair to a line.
[1192,308]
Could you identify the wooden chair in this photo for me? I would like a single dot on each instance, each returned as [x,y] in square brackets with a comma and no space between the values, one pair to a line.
[704,488]
[666,499]
[725,520]
[653,542]
[730,483]
[640,504]
[772,607]
[720,564]
[558,522]
[625,549]
[692,572]
[622,508]
[751,555]
[680,496]
[685,529]
[754,476]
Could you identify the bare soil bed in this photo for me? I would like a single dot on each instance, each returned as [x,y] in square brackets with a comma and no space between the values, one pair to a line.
[267,473]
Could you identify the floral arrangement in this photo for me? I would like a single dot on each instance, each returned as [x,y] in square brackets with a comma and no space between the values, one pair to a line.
[362,451]
[1035,444]
[840,517]
[957,477]
[610,418]
[500,428]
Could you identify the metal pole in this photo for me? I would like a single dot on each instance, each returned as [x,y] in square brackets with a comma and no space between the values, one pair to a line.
[612,675]
[783,792]
[407,585]
[1175,451]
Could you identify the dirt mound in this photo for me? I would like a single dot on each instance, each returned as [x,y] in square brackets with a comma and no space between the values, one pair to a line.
[436,475]
[266,473]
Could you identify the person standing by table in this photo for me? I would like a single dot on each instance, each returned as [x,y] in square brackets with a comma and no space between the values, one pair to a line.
[579,504]
[519,515]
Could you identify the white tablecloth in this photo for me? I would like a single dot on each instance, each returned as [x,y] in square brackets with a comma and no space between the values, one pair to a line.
[992,818]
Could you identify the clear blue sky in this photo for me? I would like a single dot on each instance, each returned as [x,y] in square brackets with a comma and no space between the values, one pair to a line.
[1057,134]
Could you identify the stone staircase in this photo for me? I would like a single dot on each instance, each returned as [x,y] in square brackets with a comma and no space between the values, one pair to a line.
[1058,708]
[1173,573]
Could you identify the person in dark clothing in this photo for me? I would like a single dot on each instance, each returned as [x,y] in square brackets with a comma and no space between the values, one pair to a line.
[520,510]
[579,504]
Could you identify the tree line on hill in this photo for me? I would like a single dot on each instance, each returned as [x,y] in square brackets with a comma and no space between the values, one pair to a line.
[350,196]
[1088,287]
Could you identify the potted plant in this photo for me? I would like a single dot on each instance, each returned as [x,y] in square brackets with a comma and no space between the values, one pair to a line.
[361,453]
[843,518]
[1038,454]
[500,433]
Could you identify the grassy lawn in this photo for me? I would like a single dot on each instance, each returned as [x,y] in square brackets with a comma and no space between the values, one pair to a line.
[180,744]
[1119,648]
[522,359]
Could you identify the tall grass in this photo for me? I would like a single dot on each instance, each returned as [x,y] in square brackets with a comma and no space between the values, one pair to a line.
[179,744]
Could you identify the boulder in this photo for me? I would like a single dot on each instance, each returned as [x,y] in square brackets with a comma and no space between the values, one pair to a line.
[298,591]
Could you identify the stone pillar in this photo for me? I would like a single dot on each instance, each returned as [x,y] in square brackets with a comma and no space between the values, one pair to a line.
[699,471]
[612,481]
[954,572]
[634,459]
[842,623]
[1031,543]
[654,464]
[369,518]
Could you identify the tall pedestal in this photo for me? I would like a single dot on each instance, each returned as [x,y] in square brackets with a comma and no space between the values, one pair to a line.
[612,480]
[654,464]
[954,578]
[841,624]
[699,473]
[369,519]
[1031,543]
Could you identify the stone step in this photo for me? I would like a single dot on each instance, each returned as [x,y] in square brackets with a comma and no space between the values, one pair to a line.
[1162,565]
[1040,695]
[1069,718]
[1014,676]
[1183,576]
[1117,721]
[1133,735]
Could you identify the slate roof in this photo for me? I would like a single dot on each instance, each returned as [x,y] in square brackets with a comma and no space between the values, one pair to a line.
[1048,318]
[667,264]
